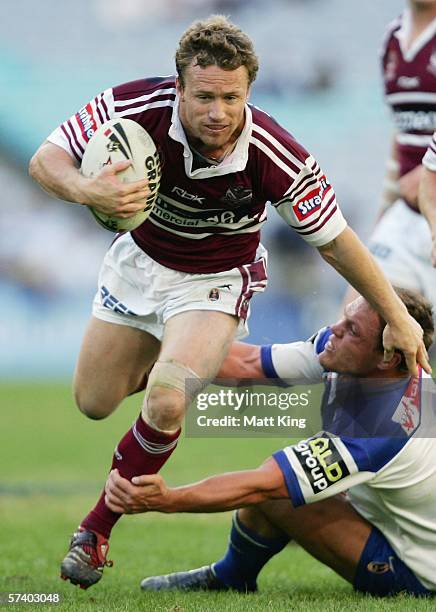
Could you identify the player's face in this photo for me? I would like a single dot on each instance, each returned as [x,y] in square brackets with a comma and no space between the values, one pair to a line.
[212,103]
[353,347]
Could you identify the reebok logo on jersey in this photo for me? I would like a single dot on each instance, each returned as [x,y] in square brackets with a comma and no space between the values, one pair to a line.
[321,461]
[86,121]
[311,203]
[187,196]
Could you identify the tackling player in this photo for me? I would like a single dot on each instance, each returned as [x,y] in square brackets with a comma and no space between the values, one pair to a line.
[377,443]
[401,242]
[175,291]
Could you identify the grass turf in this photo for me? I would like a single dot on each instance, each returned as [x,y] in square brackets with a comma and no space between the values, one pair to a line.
[53,466]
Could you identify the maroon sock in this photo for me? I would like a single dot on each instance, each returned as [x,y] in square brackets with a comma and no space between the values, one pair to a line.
[143,450]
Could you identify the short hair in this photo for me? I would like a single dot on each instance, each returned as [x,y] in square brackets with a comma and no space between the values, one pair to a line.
[216,41]
[421,310]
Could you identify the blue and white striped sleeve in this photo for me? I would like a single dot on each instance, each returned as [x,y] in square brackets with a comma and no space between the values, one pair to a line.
[296,362]
[324,465]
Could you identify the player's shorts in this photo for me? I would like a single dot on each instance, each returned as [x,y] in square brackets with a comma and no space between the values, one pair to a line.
[381,572]
[135,290]
[401,243]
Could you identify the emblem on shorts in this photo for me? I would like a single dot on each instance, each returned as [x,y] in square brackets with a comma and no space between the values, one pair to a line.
[378,568]
[214,295]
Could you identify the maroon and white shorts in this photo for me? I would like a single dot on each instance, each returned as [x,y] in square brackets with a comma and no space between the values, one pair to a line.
[137,291]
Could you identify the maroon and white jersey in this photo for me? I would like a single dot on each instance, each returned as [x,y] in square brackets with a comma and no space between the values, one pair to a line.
[429,160]
[208,218]
[410,88]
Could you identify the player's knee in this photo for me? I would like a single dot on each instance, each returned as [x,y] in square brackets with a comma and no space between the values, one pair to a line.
[165,408]
[92,405]
[168,387]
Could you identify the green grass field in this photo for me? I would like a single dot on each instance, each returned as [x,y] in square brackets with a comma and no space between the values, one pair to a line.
[53,464]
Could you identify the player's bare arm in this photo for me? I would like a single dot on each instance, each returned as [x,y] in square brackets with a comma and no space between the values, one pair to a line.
[390,191]
[409,185]
[242,361]
[427,205]
[216,494]
[353,261]
[55,170]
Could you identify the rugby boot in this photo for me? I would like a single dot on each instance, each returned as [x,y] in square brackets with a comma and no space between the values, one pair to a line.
[86,558]
[201,579]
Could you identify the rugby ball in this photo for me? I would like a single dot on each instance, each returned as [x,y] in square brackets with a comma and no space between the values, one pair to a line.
[120,140]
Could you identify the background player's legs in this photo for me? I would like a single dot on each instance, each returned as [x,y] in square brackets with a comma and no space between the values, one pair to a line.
[330,530]
[112,363]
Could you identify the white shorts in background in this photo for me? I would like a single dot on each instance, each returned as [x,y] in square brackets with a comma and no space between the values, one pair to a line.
[401,243]
[135,290]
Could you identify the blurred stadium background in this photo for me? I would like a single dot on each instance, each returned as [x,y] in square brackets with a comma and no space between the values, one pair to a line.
[319,77]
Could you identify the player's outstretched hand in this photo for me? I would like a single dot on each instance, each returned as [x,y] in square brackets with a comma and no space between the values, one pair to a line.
[109,195]
[408,339]
[143,494]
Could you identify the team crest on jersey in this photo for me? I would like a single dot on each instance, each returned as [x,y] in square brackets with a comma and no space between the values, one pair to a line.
[237,195]
[321,461]
[408,412]
[87,123]
[311,203]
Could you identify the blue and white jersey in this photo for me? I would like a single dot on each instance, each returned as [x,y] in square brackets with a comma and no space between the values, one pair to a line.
[377,442]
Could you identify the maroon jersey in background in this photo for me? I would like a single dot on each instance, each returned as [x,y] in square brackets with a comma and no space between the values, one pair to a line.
[207,217]
[410,88]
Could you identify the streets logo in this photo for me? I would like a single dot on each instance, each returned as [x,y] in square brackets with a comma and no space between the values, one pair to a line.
[321,461]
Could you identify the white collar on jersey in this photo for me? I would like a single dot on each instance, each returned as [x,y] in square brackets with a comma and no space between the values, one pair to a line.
[235,162]
[404,31]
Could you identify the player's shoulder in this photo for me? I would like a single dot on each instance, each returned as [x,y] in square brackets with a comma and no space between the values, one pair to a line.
[154,87]
[274,140]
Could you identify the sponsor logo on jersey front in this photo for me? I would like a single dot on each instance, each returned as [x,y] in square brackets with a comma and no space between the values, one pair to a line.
[85,118]
[311,203]
[406,82]
[182,193]
[415,121]
[321,461]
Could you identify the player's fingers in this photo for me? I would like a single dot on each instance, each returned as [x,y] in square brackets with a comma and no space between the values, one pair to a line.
[388,354]
[136,197]
[145,479]
[411,363]
[112,505]
[112,169]
[119,166]
[423,359]
[119,484]
[135,186]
